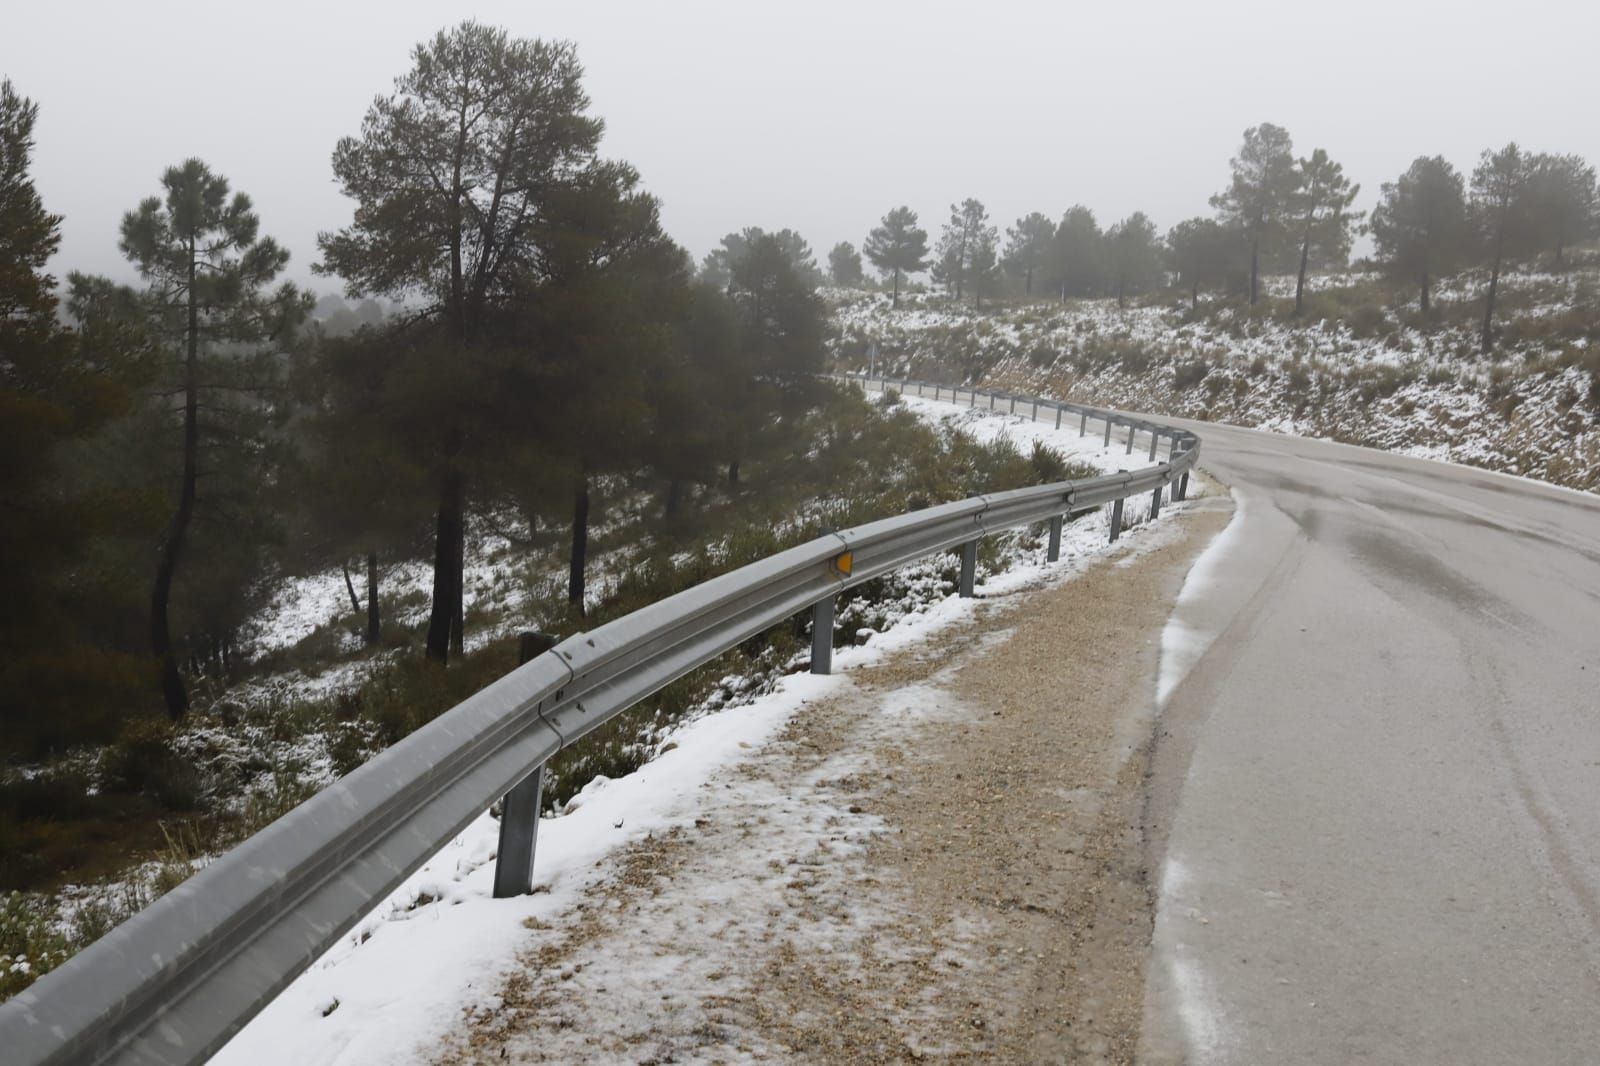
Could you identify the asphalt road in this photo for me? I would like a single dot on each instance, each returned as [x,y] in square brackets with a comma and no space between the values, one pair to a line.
[1376,806]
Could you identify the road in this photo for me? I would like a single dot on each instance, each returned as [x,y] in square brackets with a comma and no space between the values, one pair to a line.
[1376,794]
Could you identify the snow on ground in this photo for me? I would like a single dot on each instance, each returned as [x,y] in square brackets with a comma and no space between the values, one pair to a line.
[401,978]
[1531,407]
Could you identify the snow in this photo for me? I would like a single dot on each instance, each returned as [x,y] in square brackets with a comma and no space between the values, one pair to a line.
[1185,638]
[401,979]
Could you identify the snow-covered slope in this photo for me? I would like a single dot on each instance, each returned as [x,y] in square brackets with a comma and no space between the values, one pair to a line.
[439,946]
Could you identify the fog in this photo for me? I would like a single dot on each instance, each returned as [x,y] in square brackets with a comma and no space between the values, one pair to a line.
[816,116]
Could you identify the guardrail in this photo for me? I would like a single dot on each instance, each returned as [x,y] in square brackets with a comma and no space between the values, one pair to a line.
[174,982]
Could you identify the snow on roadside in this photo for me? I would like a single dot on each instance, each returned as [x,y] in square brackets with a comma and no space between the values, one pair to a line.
[401,978]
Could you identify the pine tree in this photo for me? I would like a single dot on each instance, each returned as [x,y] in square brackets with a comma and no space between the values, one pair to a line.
[1028,247]
[1503,216]
[1134,252]
[453,176]
[1419,228]
[1321,209]
[57,686]
[209,273]
[958,241]
[1259,198]
[897,246]
[1564,201]
[1077,255]
[844,265]
[1204,253]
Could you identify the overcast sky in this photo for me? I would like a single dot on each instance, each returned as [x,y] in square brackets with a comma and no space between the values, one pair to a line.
[814,115]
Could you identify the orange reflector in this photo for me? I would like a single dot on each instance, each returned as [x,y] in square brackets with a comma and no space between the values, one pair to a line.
[843,562]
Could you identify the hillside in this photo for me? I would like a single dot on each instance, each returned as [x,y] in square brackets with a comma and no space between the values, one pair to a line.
[1363,366]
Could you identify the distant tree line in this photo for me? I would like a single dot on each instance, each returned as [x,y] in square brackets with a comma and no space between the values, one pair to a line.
[1277,214]
[173,445]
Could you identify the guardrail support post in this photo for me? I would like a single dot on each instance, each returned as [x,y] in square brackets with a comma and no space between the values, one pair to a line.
[1013,406]
[1181,492]
[1083,423]
[991,401]
[1059,412]
[1054,552]
[1116,521]
[822,636]
[1108,432]
[936,394]
[972,397]
[1155,503]
[1133,431]
[519,814]
[969,568]
[1036,410]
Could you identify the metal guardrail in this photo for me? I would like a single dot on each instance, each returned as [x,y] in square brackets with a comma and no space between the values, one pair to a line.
[173,983]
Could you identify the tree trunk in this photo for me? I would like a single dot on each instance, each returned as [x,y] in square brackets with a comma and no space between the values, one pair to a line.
[446,578]
[458,614]
[895,303]
[1027,284]
[1300,282]
[373,620]
[1425,287]
[1122,290]
[172,689]
[1255,254]
[580,542]
[350,587]
[1194,296]
[1488,303]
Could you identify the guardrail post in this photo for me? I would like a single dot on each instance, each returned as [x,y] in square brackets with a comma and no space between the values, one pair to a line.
[1054,551]
[972,397]
[1181,492]
[822,636]
[1013,406]
[991,401]
[1116,521]
[1036,410]
[1155,503]
[1155,440]
[1083,423]
[519,813]
[1108,432]
[1172,447]
[1133,431]
[935,393]
[969,568]
[1059,412]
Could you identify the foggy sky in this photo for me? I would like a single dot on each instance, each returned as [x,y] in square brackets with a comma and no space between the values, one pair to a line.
[815,115]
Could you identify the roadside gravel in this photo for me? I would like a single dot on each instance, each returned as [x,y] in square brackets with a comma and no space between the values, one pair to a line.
[944,861]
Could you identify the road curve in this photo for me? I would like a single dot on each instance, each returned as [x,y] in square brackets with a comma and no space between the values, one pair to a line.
[1376,793]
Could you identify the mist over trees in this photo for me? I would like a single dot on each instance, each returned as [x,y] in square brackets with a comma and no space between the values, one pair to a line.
[549,334]
[515,334]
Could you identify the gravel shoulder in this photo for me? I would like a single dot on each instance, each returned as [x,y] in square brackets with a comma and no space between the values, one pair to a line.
[943,861]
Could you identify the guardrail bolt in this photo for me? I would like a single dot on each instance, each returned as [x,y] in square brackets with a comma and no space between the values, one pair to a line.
[1054,551]
[822,636]
[1116,521]
[969,568]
